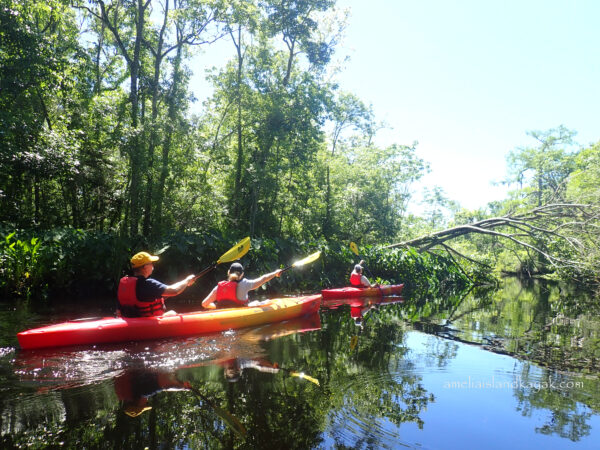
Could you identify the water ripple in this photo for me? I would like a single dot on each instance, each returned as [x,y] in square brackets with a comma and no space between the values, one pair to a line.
[362,421]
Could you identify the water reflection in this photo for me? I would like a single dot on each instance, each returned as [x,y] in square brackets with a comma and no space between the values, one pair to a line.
[135,386]
[55,389]
[360,306]
[539,325]
[478,369]
[558,397]
[538,321]
[377,389]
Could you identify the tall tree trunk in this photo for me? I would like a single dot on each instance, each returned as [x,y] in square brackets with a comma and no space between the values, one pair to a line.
[158,58]
[136,147]
[327,222]
[240,148]
[172,102]
[291,44]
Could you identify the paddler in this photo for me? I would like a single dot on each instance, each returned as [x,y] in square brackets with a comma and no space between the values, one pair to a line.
[142,296]
[134,387]
[357,278]
[233,292]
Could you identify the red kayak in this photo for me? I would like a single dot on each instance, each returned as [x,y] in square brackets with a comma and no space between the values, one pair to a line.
[119,329]
[353,292]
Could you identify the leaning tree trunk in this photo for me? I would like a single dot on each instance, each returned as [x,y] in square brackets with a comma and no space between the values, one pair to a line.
[568,223]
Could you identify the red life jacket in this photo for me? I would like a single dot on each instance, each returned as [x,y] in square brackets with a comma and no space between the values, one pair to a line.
[355,279]
[227,291]
[129,304]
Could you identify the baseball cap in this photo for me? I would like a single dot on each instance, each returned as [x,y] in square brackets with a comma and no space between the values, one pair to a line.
[236,267]
[141,259]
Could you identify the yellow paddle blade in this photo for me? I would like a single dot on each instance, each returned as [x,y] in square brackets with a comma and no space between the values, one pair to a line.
[353,342]
[307,260]
[305,377]
[239,250]
[354,248]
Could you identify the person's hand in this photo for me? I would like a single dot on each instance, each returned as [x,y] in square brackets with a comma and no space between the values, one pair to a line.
[278,272]
[190,279]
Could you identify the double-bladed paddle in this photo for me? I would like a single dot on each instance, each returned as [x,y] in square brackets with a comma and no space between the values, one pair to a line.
[302,262]
[236,252]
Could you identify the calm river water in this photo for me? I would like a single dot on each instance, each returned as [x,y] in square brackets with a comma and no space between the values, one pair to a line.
[511,368]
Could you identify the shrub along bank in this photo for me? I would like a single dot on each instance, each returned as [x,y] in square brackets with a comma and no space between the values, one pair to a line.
[77,263]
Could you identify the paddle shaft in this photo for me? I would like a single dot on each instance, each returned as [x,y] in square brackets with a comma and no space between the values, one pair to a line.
[205,271]
[229,419]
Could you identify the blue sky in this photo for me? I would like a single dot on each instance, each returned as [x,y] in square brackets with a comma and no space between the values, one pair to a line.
[467,79]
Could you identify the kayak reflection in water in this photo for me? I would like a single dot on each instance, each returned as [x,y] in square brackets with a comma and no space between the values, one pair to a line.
[135,386]
[358,279]
[233,292]
[142,296]
[358,313]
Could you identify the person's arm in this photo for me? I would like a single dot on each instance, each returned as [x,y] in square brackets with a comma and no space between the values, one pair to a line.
[365,281]
[209,301]
[179,287]
[258,282]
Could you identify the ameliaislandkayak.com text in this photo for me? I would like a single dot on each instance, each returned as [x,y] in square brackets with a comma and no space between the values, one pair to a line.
[517,383]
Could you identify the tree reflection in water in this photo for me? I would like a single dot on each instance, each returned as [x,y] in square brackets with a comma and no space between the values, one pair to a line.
[364,386]
[553,327]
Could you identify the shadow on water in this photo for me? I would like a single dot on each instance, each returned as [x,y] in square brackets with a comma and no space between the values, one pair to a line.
[363,373]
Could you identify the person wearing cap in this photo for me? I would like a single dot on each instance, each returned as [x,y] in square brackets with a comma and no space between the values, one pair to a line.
[233,292]
[142,296]
[358,279]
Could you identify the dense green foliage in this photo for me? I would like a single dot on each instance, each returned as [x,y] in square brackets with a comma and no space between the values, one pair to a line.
[97,131]
[100,146]
[100,133]
[79,263]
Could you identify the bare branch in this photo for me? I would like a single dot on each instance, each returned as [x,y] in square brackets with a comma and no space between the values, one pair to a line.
[569,223]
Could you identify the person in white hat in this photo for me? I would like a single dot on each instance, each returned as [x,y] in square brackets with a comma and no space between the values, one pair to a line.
[357,278]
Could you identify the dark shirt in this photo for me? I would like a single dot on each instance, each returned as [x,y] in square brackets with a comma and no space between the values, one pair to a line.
[149,289]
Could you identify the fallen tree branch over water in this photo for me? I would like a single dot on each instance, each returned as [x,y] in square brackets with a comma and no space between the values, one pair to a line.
[564,234]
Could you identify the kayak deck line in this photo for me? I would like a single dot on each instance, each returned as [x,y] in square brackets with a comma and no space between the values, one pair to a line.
[119,329]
